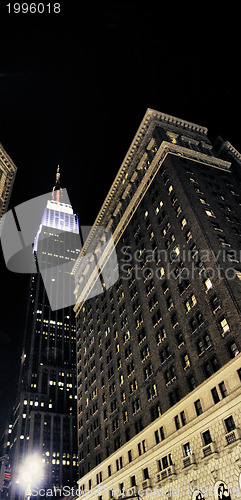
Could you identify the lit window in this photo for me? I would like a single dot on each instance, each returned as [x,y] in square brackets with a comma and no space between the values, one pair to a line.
[208,283]
[183,222]
[238,274]
[224,325]
[210,213]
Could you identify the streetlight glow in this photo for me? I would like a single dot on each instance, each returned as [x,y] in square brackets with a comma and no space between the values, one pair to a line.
[30,472]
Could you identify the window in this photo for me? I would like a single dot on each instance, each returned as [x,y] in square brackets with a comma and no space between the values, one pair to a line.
[133,386]
[185,361]
[206,438]
[208,284]
[159,435]
[215,395]
[183,222]
[115,424]
[174,396]
[145,473]
[233,349]
[229,424]
[130,456]
[165,353]
[187,450]
[99,477]
[144,352]
[151,392]
[130,368]
[170,374]
[142,447]
[117,443]
[141,335]
[119,463]
[198,407]
[223,324]
[223,389]
[136,406]
[161,335]
[109,470]
[203,343]
[165,462]
[183,417]
[148,371]
[177,422]
[133,481]
[190,302]
[138,426]
[179,339]
[191,382]
[214,302]
[210,213]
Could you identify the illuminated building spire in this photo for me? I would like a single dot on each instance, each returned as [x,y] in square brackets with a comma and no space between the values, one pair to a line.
[56,188]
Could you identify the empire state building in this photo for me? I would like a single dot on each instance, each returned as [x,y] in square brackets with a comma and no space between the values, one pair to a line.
[44,419]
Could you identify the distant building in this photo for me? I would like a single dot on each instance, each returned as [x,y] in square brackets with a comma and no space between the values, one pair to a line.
[44,416]
[172,320]
[7,175]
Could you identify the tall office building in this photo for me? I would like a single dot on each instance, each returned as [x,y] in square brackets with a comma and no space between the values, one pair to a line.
[7,175]
[172,319]
[44,418]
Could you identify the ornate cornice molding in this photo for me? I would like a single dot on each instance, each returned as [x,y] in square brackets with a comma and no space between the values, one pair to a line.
[164,149]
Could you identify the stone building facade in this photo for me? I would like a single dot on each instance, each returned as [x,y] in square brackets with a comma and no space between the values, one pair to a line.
[172,319]
[192,451]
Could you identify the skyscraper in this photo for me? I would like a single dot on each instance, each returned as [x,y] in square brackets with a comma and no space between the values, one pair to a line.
[44,417]
[172,320]
[7,175]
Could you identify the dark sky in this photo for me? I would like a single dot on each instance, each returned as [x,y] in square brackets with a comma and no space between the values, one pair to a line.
[74,88]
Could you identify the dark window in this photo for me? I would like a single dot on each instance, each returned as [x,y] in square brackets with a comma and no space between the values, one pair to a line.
[207,437]
[229,424]
[233,349]
[223,389]
[183,418]
[157,437]
[198,407]
[192,382]
[162,433]
[215,395]
[177,422]
[133,481]
[145,473]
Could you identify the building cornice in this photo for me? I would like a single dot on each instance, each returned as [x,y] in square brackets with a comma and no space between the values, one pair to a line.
[164,149]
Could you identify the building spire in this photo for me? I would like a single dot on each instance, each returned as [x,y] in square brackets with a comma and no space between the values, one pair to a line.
[56,188]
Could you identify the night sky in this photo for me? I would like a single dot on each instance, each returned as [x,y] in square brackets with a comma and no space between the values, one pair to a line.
[74,88]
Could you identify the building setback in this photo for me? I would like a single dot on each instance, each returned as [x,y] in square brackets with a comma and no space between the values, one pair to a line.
[44,416]
[172,319]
